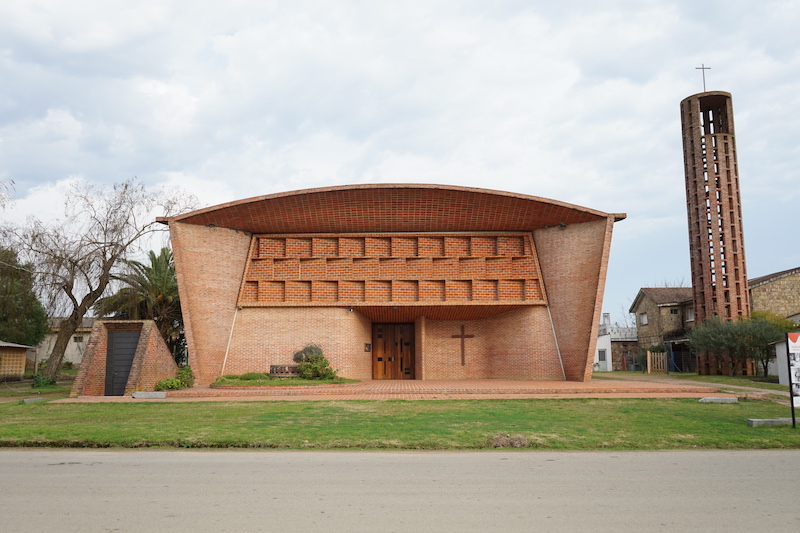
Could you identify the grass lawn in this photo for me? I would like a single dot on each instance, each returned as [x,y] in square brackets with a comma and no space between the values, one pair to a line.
[741,381]
[13,391]
[574,424]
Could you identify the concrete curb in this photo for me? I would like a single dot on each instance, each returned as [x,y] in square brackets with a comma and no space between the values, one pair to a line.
[760,422]
[157,395]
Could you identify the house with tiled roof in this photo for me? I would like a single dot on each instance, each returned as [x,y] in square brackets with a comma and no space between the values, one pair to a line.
[664,316]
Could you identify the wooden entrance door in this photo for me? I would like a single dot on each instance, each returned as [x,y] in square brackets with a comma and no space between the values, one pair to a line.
[393,351]
[120,350]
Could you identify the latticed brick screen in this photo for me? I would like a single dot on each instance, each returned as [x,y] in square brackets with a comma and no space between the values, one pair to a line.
[12,363]
[389,269]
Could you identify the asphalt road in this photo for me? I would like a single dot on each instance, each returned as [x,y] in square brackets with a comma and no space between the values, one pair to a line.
[146,490]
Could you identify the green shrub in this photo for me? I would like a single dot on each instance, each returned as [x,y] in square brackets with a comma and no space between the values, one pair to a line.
[169,384]
[184,380]
[252,376]
[40,381]
[186,377]
[67,365]
[306,353]
[316,366]
[312,364]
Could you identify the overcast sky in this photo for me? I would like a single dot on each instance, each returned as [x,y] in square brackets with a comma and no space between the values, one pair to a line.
[572,100]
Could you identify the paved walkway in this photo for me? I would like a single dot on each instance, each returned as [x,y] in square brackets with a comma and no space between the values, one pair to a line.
[435,390]
[739,390]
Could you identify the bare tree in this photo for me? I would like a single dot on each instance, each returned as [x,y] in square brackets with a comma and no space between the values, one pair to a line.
[627,319]
[671,283]
[74,259]
[5,197]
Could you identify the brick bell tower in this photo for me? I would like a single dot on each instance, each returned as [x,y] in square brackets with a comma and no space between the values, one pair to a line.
[716,239]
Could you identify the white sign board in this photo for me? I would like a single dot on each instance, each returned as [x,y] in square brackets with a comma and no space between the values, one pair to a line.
[793,344]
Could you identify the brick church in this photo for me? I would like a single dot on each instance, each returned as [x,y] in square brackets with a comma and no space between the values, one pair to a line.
[409,281]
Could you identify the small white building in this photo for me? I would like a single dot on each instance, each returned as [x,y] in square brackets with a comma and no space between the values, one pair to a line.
[780,365]
[75,348]
[602,356]
[617,347]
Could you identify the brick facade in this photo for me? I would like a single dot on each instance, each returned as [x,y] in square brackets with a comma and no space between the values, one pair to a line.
[351,269]
[524,276]
[713,203]
[714,208]
[152,361]
[574,261]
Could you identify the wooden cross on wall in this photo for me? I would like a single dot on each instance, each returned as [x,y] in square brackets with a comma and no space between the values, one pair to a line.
[462,337]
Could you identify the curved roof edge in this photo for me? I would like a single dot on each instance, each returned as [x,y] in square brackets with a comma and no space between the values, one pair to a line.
[351,202]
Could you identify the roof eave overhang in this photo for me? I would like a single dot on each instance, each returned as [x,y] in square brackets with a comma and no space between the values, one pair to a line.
[391,207]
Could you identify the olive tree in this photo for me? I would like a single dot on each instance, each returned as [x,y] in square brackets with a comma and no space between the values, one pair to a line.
[764,329]
[728,340]
[74,259]
[737,341]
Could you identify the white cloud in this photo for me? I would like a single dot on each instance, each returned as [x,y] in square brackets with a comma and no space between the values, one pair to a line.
[169,107]
[82,26]
[574,100]
[44,202]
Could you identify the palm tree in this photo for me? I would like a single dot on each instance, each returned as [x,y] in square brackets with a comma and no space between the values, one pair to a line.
[150,292]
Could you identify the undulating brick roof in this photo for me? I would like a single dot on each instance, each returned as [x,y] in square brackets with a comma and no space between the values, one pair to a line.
[391,208]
